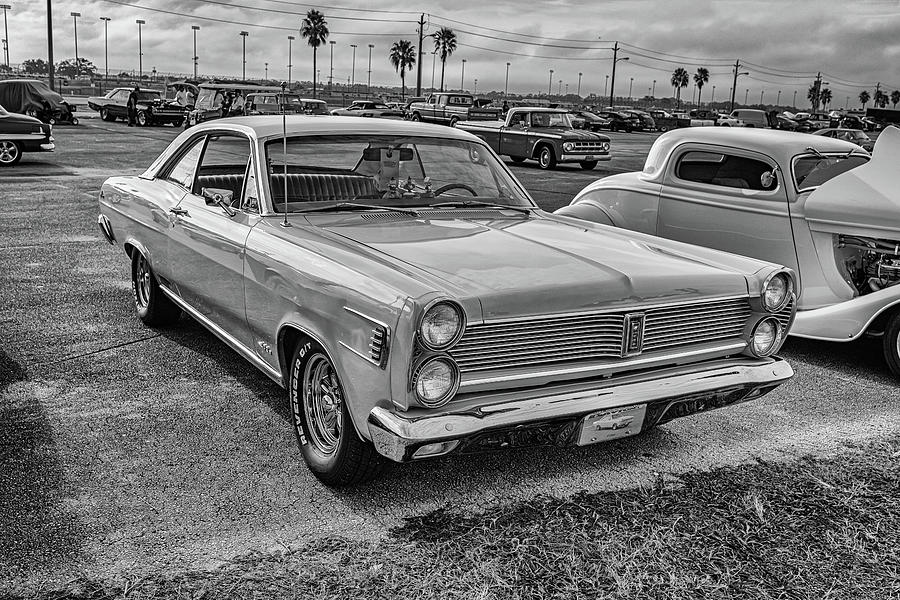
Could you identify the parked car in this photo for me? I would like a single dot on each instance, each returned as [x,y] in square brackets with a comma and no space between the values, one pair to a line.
[620,121]
[152,108]
[820,120]
[20,134]
[848,122]
[666,121]
[34,98]
[851,135]
[645,121]
[413,300]
[786,124]
[369,108]
[449,109]
[542,134]
[270,103]
[582,119]
[752,117]
[808,202]
[217,100]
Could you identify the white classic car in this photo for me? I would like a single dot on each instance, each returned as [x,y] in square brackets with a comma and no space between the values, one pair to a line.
[815,204]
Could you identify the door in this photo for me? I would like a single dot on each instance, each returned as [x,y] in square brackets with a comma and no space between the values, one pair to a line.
[722,199]
[514,137]
[118,104]
[207,240]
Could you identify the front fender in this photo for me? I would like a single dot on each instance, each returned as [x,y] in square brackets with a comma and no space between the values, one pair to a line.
[588,211]
[846,321]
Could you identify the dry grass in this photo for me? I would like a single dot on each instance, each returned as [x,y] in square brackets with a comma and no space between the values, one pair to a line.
[816,528]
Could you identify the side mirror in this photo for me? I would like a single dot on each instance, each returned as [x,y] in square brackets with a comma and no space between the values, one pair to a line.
[768,180]
[219,197]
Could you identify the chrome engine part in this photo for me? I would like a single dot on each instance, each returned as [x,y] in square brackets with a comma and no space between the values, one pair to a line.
[872,264]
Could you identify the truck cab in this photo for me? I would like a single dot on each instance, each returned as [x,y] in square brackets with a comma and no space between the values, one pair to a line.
[450,108]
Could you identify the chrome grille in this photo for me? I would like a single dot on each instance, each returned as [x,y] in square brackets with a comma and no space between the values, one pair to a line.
[784,316]
[596,147]
[378,345]
[593,336]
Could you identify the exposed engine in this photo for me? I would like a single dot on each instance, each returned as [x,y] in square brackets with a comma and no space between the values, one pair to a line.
[871,264]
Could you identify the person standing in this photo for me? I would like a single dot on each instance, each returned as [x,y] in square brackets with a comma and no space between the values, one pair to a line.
[132,106]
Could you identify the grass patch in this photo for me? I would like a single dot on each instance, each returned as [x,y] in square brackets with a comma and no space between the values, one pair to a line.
[812,528]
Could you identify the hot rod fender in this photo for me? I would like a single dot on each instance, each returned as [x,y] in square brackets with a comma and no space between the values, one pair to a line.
[587,211]
[846,321]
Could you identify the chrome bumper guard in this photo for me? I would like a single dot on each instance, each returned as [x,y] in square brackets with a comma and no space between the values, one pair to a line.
[569,157]
[557,416]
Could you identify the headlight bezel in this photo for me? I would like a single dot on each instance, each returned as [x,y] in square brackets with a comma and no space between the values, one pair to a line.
[448,395]
[568,146]
[789,291]
[776,342]
[461,315]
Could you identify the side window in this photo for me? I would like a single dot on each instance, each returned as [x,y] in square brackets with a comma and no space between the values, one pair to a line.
[726,170]
[182,172]
[224,165]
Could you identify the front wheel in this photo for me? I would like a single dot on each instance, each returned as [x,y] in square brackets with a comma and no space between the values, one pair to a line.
[453,121]
[105,116]
[588,165]
[416,117]
[142,119]
[325,433]
[153,307]
[74,121]
[891,343]
[546,158]
[10,153]
[663,129]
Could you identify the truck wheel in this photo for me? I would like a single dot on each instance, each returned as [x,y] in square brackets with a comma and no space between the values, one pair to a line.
[453,121]
[517,159]
[892,343]
[588,165]
[326,436]
[416,117]
[663,128]
[546,158]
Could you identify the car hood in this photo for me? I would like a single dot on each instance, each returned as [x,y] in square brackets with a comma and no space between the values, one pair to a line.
[19,118]
[864,200]
[568,134]
[519,266]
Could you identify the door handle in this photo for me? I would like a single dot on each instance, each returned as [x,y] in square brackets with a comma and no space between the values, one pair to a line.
[181,212]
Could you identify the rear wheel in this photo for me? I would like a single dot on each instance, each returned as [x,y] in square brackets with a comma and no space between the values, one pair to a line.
[10,153]
[546,158]
[104,115]
[153,307]
[663,128]
[325,433]
[142,119]
[453,121]
[177,123]
[891,343]
[588,165]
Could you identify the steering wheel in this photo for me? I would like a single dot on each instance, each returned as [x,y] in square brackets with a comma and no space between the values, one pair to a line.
[454,186]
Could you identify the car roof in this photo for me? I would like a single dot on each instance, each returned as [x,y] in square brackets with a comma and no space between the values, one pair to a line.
[540,109]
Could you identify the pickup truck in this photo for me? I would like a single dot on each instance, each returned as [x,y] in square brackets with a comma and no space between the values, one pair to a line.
[450,109]
[542,134]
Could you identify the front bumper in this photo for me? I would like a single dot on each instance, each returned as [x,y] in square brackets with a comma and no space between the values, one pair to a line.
[583,157]
[561,415]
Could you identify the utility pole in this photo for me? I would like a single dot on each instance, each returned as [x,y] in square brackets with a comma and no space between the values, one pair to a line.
[140,24]
[612,84]
[506,85]
[737,68]
[331,44]
[550,86]
[605,84]
[50,42]
[75,16]
[106,43]
[419,61]
[462,77]
[353,71]
[653,90]
[818,85]
[369,79]
[578,93]
[5,8]
[244,35]
[290,59]
[267,71]
[475,91]
[194,29]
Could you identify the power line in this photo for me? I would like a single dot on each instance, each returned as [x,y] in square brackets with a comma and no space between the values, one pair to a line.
[297,14]
[693,58]
[511,53]
[538,37]
[365,10]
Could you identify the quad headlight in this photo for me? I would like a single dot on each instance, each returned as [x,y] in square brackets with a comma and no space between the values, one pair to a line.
[441,326]
[569,146]
[777,291]
[436,381]
[766,337]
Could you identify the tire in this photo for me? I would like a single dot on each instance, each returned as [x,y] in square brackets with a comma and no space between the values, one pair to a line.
[546,158]
[663,129]
[453,121]
[105,116]
[588,165]
[10,153]
[177,123]
[517,159]
[52,120]
[416,117]
[325,434]
[74,121]
[153,307]
[891,343]
[32,112]
[142,119]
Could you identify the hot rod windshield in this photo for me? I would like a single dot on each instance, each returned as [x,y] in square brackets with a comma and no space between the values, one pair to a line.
[386,170]
[812,170]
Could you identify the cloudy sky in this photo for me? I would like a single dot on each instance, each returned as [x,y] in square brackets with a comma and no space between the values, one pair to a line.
[782,44]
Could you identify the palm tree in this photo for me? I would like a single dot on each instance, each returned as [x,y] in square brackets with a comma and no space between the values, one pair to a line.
[701,77]
[881,99]
[403,56]
[444,45]
[315,29]
[680,79]
[825,97]
[895,98]
[864,97]
[814,95]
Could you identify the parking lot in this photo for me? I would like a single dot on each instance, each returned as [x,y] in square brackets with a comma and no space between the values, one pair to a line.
[126,449]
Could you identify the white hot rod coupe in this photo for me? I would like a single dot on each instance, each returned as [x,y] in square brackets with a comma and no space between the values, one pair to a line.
[414,301]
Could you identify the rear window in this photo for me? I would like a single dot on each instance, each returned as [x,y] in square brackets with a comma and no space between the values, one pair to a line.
[811,171]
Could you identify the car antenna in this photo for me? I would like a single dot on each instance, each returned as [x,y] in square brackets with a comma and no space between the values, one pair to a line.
[284,223]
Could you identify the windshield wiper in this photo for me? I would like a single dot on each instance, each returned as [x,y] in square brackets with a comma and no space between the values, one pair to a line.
[816,152]
[356,205]
[479,204]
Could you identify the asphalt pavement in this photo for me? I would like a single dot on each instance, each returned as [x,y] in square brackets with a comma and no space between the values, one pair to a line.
[125,450]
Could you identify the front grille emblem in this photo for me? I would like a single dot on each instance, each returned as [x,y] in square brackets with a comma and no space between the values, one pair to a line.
[633,334]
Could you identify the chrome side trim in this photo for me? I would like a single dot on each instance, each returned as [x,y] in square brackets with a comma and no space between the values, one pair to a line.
[223,335]
[385,344]
[366,358]
[601,369]
[367,317]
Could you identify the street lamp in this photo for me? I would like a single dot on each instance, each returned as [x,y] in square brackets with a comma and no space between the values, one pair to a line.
[106,21]
[244,35]
[195,29]
[630,84]
[140,24]
[290,60]
[331,44]
[506,85]
[475,90]
[75,16]
[267,71]
[605,85]
[746,95]
[778,98]
[578,93]
[353,69]
[369,79]
[653,89]
[5,8]
[462,78]
[550,85]
[713,96]
[794,103]
[559,89]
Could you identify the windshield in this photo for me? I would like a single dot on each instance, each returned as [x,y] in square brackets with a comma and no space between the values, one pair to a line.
[551,119]
[812,170]
[386,170]
[142,95]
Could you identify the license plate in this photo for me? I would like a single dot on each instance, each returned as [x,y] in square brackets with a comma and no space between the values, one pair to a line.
[589,157]
[612,424]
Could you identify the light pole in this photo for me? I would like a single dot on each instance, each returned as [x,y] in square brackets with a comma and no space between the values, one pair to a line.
[475,90]
[433,61]
[746,95]
[290,59]
[244,35]
[331,44]
[778,98]
[462,78]
[140,24]
[794,103]
[506,84]
[578,93]
[761,92]
[559,89]
[630,84]
[267,71]
[353,70]
[195,29]
[75,16]
[653,89]
[106,43]
[5,8]
[369,78]
[605,85]
[550,85]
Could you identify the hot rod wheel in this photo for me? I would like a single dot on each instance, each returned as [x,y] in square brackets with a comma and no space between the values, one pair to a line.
[326,436]
[891,343]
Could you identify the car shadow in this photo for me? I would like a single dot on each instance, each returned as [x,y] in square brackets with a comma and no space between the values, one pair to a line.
[862,358]
[35,168]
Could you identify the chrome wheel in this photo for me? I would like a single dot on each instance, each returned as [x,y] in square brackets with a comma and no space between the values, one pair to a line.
[142,283]
[9,153]
[323,402]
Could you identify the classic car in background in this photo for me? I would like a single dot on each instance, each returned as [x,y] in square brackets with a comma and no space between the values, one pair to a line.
[542,134]
[219,100]
[369,108]
[403,286]
[619,121]
[645,121]
[21,133]
[152,108]
[583,119]
[851,135]
[34,98]
[270,103]
[450,109]
[808,202]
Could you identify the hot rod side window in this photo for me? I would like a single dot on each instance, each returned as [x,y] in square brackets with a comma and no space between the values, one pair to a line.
[726,170]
